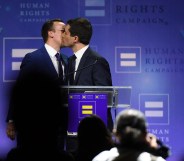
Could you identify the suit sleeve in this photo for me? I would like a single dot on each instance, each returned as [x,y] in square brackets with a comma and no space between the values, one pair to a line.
[16,89]
[101,73]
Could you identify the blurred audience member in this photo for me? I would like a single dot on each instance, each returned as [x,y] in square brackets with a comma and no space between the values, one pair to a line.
[133,141]
[93,138]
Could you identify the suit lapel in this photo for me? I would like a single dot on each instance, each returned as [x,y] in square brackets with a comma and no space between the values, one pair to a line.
[81,64]
[48,62]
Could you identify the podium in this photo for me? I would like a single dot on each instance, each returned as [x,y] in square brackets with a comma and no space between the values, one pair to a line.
[86,100]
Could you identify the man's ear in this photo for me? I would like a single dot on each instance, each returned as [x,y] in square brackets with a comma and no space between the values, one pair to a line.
[50,34]
[76,39]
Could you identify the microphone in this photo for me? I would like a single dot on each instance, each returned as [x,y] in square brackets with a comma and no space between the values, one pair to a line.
[83,67]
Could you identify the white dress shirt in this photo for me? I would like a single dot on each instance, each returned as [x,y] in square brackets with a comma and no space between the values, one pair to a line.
[52,52]
[79,55]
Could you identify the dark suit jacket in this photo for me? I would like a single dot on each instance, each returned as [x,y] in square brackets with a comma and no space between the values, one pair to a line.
[93,70]
[39,63]
[36,104]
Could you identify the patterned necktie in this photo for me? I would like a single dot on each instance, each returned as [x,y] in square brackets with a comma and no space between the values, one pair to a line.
[60,70]
[72,69]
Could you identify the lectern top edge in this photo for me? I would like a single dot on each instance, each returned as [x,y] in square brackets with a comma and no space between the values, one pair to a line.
[102,87]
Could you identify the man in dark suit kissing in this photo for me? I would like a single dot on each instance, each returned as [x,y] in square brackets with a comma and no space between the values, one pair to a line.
[77,36]
[85,67]
[36,112]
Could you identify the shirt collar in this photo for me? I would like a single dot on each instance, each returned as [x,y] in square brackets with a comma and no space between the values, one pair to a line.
[80,52]
[51,51]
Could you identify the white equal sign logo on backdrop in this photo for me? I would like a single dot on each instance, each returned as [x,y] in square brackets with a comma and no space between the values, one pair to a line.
[19,53]
[128,59]
[99,12]
[95,8]
[154,109]
[14,49]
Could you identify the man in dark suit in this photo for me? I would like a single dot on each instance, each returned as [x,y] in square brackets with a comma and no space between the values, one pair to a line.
[77,36]
[91,68]
[36,113]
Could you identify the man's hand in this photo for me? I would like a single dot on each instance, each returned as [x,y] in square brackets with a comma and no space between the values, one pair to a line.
[10,130]
[152,140]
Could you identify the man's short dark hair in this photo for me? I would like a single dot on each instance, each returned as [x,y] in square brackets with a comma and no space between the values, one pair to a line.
[48,26]
[82,28]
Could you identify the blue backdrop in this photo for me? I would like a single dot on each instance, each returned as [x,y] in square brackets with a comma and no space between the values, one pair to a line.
[142,40]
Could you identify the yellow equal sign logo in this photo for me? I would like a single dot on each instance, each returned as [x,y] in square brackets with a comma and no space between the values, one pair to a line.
[87,109]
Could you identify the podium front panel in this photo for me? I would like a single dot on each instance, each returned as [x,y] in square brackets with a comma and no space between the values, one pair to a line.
[81,105]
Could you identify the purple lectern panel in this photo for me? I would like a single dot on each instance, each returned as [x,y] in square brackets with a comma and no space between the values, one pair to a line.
[81,105]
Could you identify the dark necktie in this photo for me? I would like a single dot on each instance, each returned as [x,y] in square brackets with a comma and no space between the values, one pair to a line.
[72,69]
[60,70]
